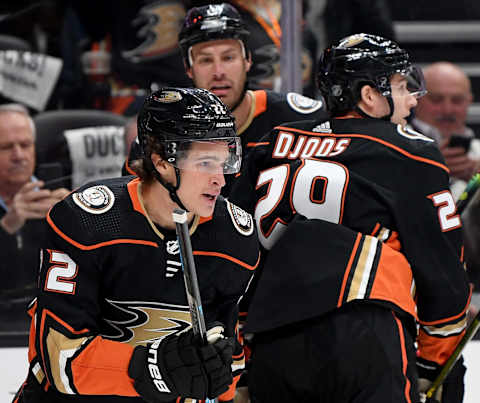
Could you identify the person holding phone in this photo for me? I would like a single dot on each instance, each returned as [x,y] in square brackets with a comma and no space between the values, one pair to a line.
[442,114]
[23,203]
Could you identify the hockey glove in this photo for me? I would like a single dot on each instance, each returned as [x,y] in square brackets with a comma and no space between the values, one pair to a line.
[452,390]
[177,366]
[427,372]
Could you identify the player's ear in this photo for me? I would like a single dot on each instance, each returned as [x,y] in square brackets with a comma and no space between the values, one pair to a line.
[248,61]
[160,164]
[369,97]
[188,70]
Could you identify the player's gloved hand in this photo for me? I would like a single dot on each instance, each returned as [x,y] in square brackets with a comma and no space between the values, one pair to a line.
[178,366]
[423,386]
[427,374]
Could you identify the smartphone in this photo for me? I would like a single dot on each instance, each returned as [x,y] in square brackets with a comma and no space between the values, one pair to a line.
[460,141]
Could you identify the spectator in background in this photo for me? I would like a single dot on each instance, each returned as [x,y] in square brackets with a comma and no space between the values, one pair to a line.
[24,202]
[442,114]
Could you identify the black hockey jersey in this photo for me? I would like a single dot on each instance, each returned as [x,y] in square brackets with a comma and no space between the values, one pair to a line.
[355,209]
[111,279]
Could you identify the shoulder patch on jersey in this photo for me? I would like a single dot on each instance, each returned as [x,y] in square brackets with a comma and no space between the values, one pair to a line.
[303,104]
[242,220]
[96,199]
[408,132]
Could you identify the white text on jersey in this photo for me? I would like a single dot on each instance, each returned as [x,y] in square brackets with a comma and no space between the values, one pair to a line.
[292,146]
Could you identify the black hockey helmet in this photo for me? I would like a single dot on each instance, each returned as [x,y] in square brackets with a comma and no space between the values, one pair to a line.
[363,59]
[172,119]
[176,117]
[209,23]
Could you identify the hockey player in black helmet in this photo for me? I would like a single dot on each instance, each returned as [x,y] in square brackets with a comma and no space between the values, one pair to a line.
[360,60]
[360,250]
[111,322]
[170,122]
[217,23]
[213,44]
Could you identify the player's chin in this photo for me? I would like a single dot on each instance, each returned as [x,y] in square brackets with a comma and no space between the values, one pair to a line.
[206,205]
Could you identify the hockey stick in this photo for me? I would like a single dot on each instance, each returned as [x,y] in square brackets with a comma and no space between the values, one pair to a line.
[472,186]
[467,195]
[190,275]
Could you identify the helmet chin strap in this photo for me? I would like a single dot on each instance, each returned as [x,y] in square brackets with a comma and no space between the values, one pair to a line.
[172,190]
[390,104]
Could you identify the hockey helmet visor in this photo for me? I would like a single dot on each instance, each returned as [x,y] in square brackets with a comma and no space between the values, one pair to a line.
[215,155]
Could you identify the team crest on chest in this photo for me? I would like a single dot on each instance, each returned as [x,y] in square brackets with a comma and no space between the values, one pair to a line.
[242,221]
[303,104]
[95,199]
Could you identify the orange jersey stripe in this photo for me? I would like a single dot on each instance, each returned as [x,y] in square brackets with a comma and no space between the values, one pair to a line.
[347,271]
[132,188]
[436,349]
[100,244]
[107,361]
[205,219]
[230,393]
[260,102]
[393,280]
[228,257]
[128,169]
[404,359]
[261,143]
[375,229]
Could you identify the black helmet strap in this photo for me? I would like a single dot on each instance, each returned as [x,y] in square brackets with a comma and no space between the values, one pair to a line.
[390,103]
[172,190]
[386,117]
[389,99]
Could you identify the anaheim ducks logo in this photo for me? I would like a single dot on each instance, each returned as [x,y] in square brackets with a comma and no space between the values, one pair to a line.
[352,41]
[139,323]
[242,221]
[214,9]
[96,199]
[160,29]
[168,97]
[303,104]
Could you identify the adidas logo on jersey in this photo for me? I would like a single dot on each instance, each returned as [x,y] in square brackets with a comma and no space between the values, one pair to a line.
[322,128]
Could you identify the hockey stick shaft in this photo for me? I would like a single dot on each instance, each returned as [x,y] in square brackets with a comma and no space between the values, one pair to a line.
[472,186]
[190,275]
[467,195]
